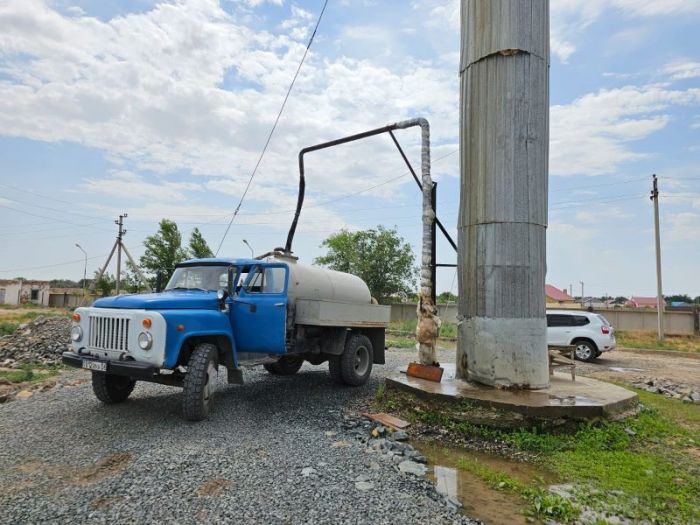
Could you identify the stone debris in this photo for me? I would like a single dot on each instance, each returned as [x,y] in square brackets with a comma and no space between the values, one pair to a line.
[390,445]
[41,342]
[308,471]
[669,389]
[411,467]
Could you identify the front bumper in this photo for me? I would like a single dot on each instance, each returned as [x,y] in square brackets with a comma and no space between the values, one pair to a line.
[133,369]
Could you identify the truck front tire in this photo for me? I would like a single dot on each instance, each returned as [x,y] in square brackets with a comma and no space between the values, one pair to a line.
[111,389]
[354,365]
[286,366]
[200,382]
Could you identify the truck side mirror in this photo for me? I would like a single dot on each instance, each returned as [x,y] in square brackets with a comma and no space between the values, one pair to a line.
[221,295]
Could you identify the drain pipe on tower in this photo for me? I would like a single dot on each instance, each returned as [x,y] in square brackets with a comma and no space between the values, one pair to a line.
[428,325]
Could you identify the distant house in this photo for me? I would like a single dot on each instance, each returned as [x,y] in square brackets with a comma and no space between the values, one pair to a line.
[643,302]
[554,295]
[21,291]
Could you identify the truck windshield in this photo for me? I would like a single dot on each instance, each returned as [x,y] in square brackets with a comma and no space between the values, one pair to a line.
[204,278]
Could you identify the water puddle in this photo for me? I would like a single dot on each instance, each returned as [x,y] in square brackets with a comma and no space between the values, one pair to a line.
[479,500]
[622,369]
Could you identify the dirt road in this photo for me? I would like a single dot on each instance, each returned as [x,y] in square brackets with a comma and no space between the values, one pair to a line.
[633,366]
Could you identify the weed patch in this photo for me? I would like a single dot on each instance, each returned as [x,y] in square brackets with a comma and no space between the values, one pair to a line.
[645,468]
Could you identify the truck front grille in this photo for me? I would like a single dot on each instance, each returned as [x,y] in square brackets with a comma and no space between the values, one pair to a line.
[109,333]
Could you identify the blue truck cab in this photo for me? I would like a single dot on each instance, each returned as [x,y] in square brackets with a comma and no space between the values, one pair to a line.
[229,313]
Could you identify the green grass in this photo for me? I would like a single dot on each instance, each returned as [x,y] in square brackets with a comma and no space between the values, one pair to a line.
[408,328]
[648,340]
[400,342]
[15,316]
[540,501]
[645,467]
[30,373]
[8,327]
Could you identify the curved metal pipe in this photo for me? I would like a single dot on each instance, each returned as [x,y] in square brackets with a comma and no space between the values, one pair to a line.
[425,163]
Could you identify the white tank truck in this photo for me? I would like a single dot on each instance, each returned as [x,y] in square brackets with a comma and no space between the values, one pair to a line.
[271,310]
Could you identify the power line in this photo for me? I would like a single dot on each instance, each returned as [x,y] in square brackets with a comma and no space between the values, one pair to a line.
[590,186]
[47,217]
[18,201]
[274,126]
[51,265]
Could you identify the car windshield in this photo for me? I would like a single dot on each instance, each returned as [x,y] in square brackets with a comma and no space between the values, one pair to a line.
[204,278]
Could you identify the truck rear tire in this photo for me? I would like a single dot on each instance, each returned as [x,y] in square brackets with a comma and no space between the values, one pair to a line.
[111,389]
[354,365]
[286,366]
[200,382]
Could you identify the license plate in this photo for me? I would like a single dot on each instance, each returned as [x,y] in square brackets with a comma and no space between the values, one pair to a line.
[95,365]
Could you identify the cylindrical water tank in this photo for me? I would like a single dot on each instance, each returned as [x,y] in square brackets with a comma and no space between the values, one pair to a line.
[313,282]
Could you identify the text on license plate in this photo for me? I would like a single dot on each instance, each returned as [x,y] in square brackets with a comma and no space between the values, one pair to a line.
[95,365]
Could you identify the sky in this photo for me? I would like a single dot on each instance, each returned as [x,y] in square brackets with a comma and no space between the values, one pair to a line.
[160,109]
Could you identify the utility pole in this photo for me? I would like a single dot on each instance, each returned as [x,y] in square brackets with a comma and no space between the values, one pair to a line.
[571,290]
[504,152]
[84,266]
[581,294]
[659,292]
[120,234]
[118,247]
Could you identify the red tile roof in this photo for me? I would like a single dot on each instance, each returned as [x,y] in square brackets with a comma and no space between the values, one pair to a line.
[643,302]
[556,294]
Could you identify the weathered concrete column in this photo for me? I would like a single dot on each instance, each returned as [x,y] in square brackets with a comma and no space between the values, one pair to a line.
[504,133]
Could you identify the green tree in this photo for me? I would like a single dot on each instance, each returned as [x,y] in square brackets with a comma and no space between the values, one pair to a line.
[163,251]
[378,256]
[683,298]
[447,297]
[106,284]
[63,283]
[199,249]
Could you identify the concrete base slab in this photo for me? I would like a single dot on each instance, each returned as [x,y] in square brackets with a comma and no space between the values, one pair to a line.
[584,398]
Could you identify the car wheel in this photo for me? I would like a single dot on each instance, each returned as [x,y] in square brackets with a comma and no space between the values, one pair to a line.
[585,351]
[200,382]
[354,365]
[111,389]
[286,366]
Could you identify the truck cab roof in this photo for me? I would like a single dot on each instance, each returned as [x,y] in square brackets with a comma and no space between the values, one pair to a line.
[222,261]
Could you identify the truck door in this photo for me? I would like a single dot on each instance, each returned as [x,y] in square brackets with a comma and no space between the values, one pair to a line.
[259,310]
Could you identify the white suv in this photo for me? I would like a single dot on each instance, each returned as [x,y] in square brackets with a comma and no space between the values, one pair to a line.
[591,333]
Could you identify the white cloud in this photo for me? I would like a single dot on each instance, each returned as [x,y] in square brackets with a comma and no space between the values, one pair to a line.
[567,232]
[601,216]
[186,86]
[683,226]
[683,69]
[122,183]
[593,134]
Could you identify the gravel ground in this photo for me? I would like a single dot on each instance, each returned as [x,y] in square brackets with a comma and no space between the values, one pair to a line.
[67,458]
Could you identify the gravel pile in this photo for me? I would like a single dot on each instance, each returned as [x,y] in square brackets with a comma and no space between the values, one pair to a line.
[669,389]
[275,450]
[41,341]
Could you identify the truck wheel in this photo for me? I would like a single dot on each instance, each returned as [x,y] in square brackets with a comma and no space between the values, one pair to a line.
[200,382]
[354,365]
[286,366]
[111,389]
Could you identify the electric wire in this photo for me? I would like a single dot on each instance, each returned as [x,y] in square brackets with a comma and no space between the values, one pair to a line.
[274,126]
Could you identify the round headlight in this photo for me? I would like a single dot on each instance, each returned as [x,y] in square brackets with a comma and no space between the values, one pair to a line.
[76,333]
[145,340]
